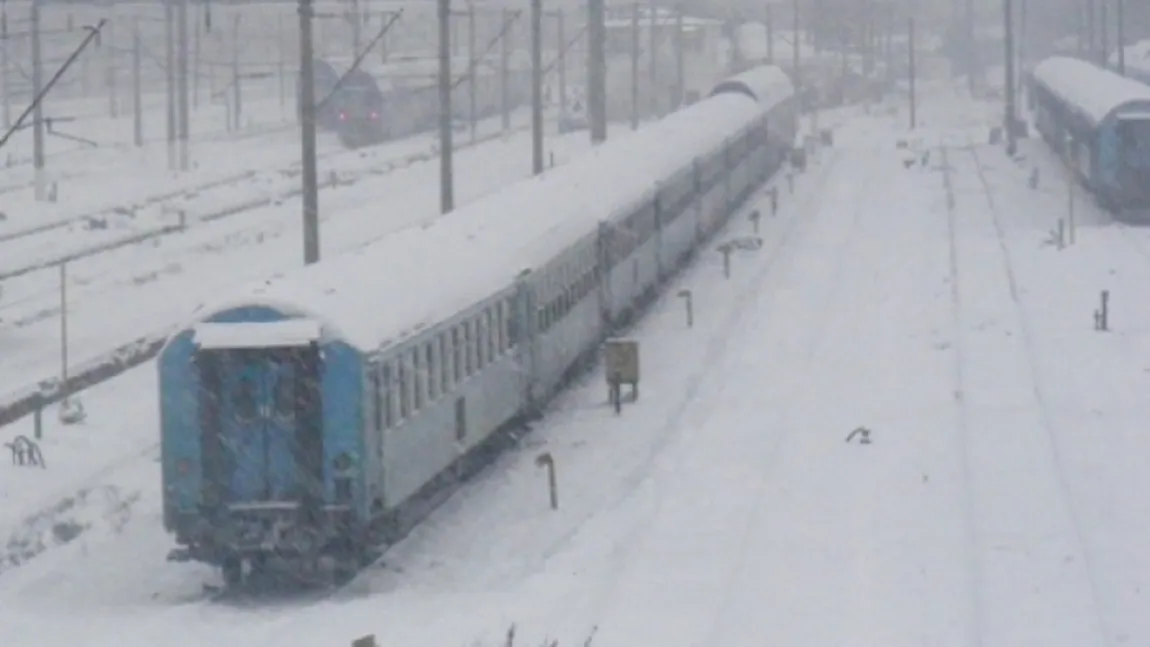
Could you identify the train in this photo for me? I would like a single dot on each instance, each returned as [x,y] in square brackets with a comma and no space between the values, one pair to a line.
[310,419]
[377,102]
[1099,122]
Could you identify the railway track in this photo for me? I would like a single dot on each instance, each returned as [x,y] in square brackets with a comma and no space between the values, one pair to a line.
[335,178]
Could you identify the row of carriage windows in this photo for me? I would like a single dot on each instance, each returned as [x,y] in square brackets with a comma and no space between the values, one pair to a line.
[423,374]
[557,307]
[427,371]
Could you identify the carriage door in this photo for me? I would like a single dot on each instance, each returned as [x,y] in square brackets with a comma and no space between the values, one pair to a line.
[259,402]
[257,424]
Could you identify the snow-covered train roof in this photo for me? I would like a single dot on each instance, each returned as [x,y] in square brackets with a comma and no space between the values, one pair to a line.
[767,84]
[1094,92]
[414,278]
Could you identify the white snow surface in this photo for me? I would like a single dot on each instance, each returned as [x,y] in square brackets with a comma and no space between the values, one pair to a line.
[1098,92]
[383,291]
[1001,501]
[247,334]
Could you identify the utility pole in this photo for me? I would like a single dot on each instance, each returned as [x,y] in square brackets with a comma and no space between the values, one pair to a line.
[635,45]
[1091,33]
[653,67]
[537,86]
[1120,10]
[356,28]
[911,72]
[680,59]
[1008,22]
[504,70]
[446,179]
[795,59]
[972,66]
[182,35]
[561,39]
[310,187]
[1104,33]
[137,91]
[170,71]
[770,26]
[597,70]
[5,65]
[38,111]
[473,66]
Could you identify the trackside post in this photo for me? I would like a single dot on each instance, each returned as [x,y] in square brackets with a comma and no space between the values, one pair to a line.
[546,460]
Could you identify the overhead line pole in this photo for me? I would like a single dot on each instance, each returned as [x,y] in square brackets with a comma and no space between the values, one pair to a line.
[1010,118]
[308,175]
[446,179]
[537,86]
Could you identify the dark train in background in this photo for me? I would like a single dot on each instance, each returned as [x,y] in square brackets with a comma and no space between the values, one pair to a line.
[388,101]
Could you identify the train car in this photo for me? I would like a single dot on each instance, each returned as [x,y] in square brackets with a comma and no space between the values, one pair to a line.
[361,111]
[401,98]
[314,417]
[1100,123]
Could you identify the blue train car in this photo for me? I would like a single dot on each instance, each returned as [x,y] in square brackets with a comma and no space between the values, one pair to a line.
[314,417]
[1100,122]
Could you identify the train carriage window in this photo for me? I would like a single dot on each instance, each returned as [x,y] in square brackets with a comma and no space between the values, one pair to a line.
[501,327]
[512,325]
[468,348]
[492,333]
[404,389]
[432,372]
[481,347]
[388,391]
[444,363]
[419,375]
[376,401]
[458,349]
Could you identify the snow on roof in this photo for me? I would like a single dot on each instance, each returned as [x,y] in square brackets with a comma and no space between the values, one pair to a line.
[418,277]
[1095,92]
[767,84]
[272,334]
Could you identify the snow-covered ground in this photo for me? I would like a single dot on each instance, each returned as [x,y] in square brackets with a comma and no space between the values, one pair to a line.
[144,289]
[132,184]
[1001,500]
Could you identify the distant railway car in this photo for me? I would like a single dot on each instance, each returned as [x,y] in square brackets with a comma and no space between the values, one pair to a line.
[361,111]
[313,417]
[1100,123]
[401,98]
